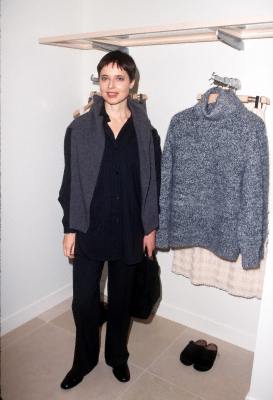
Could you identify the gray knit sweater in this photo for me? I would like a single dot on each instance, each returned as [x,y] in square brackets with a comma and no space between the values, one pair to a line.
[214,184]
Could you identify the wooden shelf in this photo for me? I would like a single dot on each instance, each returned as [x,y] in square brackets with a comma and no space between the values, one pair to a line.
[230,32]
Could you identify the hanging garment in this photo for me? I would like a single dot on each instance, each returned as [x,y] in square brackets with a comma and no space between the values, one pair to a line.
[203,267]
[215,180]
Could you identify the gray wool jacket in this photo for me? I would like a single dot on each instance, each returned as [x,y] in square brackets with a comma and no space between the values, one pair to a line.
[84,147]
[214,180]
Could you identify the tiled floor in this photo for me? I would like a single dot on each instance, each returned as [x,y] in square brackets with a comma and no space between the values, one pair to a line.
[36,356]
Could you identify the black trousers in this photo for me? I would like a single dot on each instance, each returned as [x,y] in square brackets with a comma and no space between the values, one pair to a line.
[86,312]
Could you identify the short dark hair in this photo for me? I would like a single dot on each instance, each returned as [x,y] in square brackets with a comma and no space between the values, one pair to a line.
[122,60]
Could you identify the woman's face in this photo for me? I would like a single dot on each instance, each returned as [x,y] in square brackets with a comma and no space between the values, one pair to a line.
[114,84]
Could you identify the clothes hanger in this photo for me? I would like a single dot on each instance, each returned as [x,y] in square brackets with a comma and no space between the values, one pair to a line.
[80,111]
[234,84]
[258,100]
[224,82]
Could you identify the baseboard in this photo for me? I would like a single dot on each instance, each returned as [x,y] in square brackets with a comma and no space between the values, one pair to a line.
[210,327]
[34,309]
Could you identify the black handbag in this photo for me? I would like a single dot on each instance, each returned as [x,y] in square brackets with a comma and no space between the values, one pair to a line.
[147,288]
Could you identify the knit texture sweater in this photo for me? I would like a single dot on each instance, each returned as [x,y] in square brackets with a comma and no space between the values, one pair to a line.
[214,180]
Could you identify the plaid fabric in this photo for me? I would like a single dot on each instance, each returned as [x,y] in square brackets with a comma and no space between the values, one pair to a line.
[203,267]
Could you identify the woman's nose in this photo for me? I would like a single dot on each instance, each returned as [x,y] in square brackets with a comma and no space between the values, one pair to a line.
[111,83]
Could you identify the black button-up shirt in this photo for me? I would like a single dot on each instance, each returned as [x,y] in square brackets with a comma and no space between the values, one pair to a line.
[115,230]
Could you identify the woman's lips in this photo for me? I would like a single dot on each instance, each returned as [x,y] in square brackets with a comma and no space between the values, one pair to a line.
[112,94]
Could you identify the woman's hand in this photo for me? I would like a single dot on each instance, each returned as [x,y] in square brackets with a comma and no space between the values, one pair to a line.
[149,243]
[69,244]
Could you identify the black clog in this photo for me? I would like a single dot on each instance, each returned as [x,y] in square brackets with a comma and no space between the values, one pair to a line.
[206,358]
[192,352]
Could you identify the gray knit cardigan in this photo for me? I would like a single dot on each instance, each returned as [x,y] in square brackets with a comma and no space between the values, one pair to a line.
[84,147]
[214,183]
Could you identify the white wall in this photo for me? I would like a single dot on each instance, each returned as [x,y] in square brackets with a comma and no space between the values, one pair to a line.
[261,383]
[41,86]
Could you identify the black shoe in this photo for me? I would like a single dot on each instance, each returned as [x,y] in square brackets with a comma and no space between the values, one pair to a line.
[71,380]
[122,372]
[192,352]
[206,358]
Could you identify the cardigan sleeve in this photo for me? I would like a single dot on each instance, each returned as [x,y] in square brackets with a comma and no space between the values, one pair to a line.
[64,193]
[158,155]
[162,237]
[252,224]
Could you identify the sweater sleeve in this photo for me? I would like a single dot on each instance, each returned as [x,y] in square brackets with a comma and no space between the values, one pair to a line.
[162,237]
[64,193]
[252,226]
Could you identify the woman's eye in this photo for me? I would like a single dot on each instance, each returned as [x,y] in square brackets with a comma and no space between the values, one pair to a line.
[103,78]
[120,78]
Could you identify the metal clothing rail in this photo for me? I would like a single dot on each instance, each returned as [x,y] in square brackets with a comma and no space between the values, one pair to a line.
[231,32]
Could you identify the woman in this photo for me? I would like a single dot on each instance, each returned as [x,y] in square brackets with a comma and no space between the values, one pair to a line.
[109,196]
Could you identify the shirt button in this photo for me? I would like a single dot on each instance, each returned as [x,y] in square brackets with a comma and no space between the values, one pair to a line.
[117,197]
[117,172]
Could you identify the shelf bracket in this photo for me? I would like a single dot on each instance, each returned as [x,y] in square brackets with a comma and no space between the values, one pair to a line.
[99,45]
[230,38]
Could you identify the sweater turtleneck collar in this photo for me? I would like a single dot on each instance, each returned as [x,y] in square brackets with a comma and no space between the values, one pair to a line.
[226,103]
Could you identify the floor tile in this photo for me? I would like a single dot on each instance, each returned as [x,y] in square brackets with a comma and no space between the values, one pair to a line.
[65,321]
[32,367]
[56,311]
[39,362]
[229,379]
[21,332]
[37,355]
[100,384]
[150,387]
[148,340]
